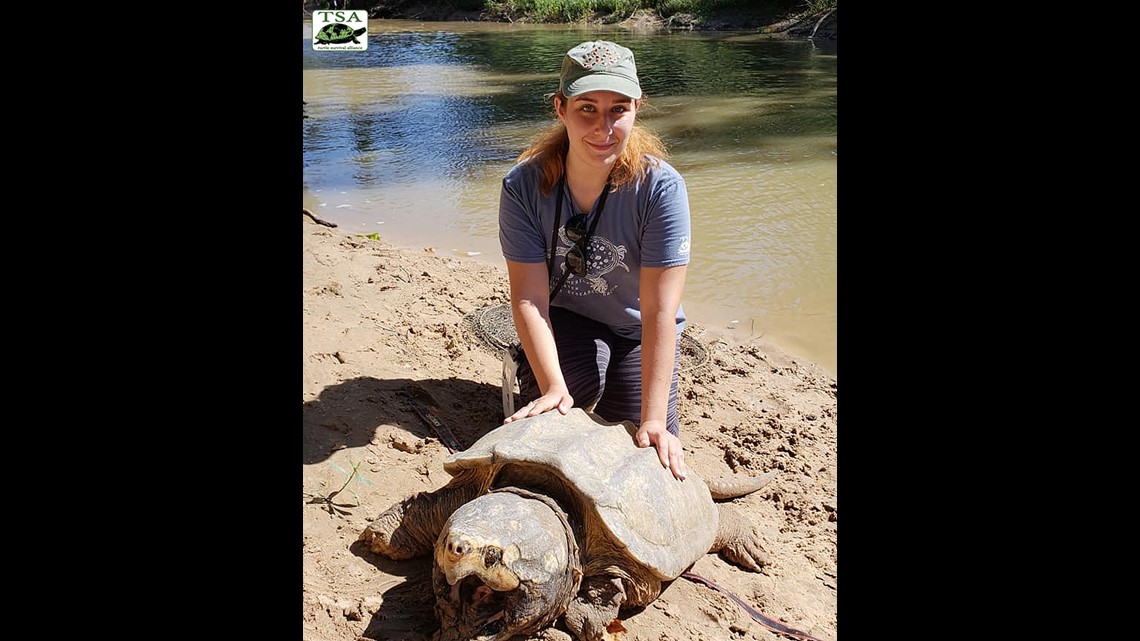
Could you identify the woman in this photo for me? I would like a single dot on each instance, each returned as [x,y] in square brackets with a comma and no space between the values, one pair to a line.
[594,226]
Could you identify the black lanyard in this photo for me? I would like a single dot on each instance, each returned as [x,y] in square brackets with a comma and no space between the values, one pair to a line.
[585,243]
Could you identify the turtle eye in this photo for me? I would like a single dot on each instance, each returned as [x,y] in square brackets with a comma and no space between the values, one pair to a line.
[493,628]
[492,556]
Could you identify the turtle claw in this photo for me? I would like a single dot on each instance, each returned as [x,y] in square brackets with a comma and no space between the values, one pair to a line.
[739,541]
[747,554]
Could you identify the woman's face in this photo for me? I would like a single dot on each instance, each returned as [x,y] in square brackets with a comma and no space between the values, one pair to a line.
[598,123]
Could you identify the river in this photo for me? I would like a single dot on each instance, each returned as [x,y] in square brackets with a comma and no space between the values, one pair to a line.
[411,138]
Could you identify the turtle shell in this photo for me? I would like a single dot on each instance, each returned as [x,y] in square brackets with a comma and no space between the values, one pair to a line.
[663,523]
[338,33]
[602,256]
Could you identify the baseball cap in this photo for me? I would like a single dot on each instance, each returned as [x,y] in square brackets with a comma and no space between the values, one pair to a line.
[599,65]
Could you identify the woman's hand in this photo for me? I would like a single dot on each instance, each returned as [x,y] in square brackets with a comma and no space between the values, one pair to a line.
[669,448]
[555,397]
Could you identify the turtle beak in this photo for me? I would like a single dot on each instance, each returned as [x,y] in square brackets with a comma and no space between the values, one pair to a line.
[459,556]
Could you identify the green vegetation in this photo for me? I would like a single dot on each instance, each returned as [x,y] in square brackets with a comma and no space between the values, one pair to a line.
[576,10]
[820,6]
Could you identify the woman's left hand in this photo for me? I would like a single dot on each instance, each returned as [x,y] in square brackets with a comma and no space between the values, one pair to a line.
[669,448]
[557,398]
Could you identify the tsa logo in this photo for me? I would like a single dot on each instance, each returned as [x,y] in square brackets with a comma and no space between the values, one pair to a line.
[340,30]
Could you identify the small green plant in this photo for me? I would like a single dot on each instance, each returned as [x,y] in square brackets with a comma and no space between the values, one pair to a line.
[326,500]
[372,236]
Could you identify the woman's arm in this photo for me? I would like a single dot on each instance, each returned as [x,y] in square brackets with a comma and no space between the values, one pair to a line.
[530,307]
[661,289]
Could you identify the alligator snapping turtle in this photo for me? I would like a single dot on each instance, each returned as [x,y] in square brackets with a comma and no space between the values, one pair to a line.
[339,33]
[555,516]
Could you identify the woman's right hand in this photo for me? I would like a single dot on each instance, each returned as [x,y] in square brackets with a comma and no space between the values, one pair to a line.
[556,397]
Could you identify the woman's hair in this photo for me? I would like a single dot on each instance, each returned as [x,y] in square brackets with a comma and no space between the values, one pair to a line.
[549,149]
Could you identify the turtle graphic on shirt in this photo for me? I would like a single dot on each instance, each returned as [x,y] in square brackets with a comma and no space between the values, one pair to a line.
[602,257]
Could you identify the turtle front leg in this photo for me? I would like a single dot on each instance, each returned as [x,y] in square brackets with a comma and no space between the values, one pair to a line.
[594,607]
[739,541]
[410,527]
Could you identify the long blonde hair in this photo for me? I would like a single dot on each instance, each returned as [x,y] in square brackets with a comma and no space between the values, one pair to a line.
[550,147]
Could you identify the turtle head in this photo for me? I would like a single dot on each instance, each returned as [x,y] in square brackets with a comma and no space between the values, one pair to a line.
[506,564]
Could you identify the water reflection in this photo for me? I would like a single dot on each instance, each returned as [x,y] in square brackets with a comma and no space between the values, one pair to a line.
[412,137]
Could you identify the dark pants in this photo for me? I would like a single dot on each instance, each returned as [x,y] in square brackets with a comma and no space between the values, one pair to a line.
[599,366]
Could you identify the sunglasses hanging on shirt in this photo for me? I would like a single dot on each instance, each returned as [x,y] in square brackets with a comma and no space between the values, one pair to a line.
[576,257]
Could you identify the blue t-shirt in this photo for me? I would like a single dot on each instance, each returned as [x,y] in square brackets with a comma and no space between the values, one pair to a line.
[644,223]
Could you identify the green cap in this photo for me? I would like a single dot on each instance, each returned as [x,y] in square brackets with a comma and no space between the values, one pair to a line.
[599,66]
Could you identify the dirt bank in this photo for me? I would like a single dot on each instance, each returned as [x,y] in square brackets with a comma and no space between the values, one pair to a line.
[381,323]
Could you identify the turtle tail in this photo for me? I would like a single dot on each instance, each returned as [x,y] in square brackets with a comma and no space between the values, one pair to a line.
[732,488]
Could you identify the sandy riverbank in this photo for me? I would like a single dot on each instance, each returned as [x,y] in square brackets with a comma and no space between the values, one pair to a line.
[381,320]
